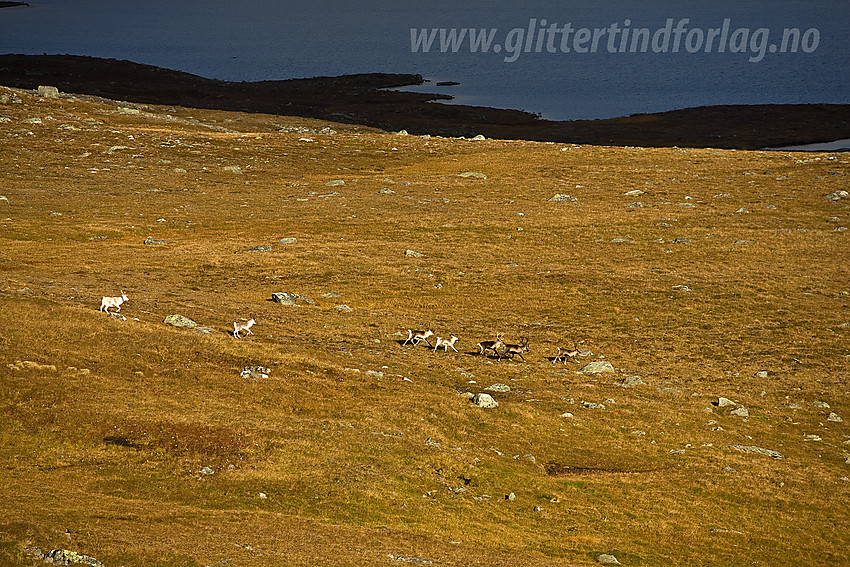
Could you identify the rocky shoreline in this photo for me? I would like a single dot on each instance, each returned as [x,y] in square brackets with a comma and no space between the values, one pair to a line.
[365,99]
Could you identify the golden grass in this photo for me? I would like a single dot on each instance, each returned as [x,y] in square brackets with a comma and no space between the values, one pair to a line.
[102,453]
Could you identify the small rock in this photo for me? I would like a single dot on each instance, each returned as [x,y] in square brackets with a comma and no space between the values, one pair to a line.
[742,210]
[724,403]
[479,137]
[838,195]
[538,509]
[180,321]
[414,560]
[593,405]
[263,495]
[562,198]
[152,241]
[331,294]
[834,417]
[5,200]
[255,372]
[566,415]
[262,248]
[681,241]
[288,240]
[207,471]
[412,254]
[386,191]
[634,193]
[740,411]
[343,308]
[48,92]
[607,559]
[761,374]
[484,401]
[473,174]
[291,298]
[633,381]
[375,374]
[818,404]
[66,557]
[335,183]
[118,316]
[759,450]
[510,497]
[498,388]
[597,367]
[232,169]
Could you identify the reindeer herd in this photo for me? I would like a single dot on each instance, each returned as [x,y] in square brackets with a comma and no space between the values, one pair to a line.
[499,348]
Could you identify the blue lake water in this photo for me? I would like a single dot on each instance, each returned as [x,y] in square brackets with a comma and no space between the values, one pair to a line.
[534,62]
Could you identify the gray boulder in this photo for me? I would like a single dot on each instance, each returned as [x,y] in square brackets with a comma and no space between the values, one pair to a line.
[180,321]
[597,367]
[291,298]
[484,401]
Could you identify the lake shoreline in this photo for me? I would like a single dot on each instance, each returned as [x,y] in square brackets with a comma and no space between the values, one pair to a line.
[366,99]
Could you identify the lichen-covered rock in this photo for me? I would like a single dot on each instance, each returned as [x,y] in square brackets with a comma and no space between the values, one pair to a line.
[484,401]
[67,557]
[597,367]
[180,321]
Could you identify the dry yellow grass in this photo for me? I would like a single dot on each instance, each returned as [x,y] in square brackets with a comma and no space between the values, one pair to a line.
[104,432]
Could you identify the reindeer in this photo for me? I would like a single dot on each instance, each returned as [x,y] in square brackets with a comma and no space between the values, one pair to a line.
[240,326]
[116,302]
[484,346]
[416,337]
[446,343]
[512,350]
[565,353]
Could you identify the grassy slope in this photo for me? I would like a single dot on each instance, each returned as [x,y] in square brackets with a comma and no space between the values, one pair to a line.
[102,452]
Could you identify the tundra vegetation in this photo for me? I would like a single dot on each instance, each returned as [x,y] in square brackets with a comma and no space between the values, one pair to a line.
[716,283]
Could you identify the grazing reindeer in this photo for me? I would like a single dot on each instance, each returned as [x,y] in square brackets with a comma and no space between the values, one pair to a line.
[115,302]
[238,327]
[565,353]
[417,337]
[484,346]
[512,350]
[446,343]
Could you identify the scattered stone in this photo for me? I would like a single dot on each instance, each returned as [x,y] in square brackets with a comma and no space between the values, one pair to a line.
[386,191]
[30,365]
[206,471]
[498,388]
[606,559]
[331,294]
[343,308]
[538,509]
[113,315]
[335,183]
[633,381]
[724,403]
[681,241]
[291,298]
[67,557]
[740,411]
[412,254]
[634,193]
[288,240]
[510,497]
[48,92]
[153,241]
[562,198]
[401,132]
[479,137]
[484,401]
[6,200]
[566,415]
[742,241]
[375,374]
[834,417]
[838,195]
[414,560]
[742,210]
[818,404]
[758,450]
[592,405]
[473,174]
[597,367]
[180,321]
[232,169]
[114,149]
[255,372]
[203,330]
[262,248]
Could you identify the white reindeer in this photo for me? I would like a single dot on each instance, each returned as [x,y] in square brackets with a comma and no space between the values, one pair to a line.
[238,327]
[115,302]
[417,337]
[446,343]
